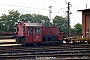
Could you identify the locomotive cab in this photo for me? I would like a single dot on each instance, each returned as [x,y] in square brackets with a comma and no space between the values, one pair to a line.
[34,35]
[28,33]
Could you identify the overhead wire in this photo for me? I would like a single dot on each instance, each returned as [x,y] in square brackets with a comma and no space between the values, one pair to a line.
[22,6]
[30,7]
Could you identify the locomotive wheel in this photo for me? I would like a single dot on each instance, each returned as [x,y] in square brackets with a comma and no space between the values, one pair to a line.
[22,41]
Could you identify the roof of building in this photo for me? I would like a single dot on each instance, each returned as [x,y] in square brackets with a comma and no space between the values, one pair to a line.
[33,24]
[84,10]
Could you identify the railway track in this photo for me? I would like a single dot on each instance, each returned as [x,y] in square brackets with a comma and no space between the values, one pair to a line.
[62,51]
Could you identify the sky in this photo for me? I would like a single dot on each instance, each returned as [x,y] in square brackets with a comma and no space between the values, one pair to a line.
[59,7]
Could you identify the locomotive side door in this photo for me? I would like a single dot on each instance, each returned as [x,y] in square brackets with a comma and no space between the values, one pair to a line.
[37,35]
[30,35]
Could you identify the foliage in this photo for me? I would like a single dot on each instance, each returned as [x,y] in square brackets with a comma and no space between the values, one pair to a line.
[44,20]
[61,23]
[7,22]
[26,17]
[35,18]
[77,28]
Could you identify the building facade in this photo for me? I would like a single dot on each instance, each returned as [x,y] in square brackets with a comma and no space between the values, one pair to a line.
[85,22]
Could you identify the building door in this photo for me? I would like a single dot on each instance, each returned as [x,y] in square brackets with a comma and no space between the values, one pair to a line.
[87,26]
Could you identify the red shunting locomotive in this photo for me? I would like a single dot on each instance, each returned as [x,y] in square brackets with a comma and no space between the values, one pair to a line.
[35,33]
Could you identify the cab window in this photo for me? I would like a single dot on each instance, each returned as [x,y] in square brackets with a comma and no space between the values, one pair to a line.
[30,29]
[23,29]
[17,29]
[37,30]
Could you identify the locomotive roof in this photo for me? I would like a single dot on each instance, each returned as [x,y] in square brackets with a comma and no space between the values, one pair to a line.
[33,24]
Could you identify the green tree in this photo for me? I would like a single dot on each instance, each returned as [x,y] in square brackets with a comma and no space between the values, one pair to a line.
[44,20]
[26,17]
[8,21]
[61,23]
[77,28]
[2,22]
[35,18]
